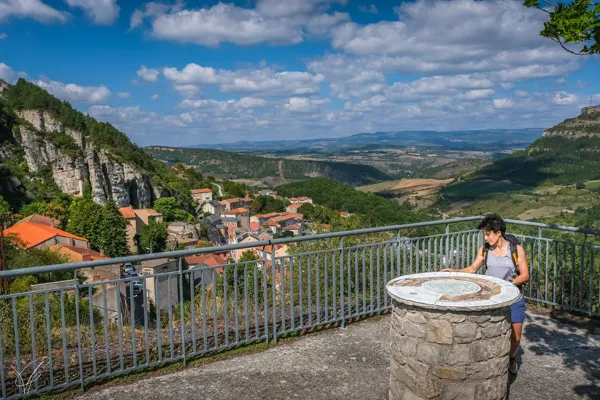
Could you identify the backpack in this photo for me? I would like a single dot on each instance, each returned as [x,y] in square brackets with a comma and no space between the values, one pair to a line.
[512,242]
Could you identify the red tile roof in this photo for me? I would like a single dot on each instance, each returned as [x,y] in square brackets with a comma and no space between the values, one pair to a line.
[210,260]
[201,191]
[94,255]
[237,211]
[151,212]
[40,220]
[127,212]
[33,234]
[271,222]
[295,206]
[254,226]
[283,217]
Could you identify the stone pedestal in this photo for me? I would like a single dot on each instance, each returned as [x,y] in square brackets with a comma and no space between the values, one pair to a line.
[450,336]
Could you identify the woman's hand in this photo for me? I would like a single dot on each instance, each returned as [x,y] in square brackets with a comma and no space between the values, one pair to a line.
[447,270]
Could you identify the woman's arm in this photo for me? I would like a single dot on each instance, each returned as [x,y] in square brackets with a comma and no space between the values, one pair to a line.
[523,268]
[473,268]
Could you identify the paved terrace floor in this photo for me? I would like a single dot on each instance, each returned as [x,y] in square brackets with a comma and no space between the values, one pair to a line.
[560,360]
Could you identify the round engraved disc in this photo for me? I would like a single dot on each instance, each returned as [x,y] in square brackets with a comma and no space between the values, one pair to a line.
[452,287]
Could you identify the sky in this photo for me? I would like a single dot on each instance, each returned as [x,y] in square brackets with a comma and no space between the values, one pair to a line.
[183,73]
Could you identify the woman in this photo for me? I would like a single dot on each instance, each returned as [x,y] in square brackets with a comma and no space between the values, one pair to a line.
[500,265]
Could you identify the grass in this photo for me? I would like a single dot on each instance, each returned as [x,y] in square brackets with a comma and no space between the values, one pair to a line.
[592,185]
[480,189]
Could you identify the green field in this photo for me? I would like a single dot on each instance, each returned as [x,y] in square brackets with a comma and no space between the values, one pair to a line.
[480,189]
[592,185]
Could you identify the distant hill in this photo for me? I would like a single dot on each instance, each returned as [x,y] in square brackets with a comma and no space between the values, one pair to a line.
[241,166]
[567,153]
[498,139]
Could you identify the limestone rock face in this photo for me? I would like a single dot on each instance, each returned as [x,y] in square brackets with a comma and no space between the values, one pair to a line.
[586,124]
[108,178]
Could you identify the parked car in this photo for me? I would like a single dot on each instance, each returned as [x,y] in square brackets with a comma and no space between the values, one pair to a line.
[128,267]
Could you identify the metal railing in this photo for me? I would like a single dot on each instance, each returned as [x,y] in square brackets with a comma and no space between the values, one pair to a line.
[66,336]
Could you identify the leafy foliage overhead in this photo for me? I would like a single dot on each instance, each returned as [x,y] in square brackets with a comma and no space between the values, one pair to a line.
[576,22]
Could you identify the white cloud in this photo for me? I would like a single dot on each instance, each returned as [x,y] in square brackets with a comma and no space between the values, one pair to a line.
[521,93]
[561,81]
[581,84]
[187,91]
[75,93]
[501,104]
[304,105]
[123,95]
[370,10]
[155,97]
[33,9]
[275,22]
[148,74]
[507,85]
[261,82]
[7,73]
[223,106]
[476,94]
[103,12]
[3,36]
[563,98]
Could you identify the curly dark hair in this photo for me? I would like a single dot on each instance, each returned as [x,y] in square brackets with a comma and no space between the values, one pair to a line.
[493,223]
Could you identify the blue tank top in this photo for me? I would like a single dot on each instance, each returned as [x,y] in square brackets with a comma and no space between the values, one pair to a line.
[501,267]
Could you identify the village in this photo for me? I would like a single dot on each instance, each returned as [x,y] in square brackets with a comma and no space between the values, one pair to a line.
[220,222]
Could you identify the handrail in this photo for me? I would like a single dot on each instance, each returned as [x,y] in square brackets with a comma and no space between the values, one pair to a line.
[239,246]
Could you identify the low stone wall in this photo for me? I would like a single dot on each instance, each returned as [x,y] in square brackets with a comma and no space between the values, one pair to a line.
[444,355]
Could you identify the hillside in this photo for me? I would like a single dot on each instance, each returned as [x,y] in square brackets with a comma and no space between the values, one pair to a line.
[500,139]
[337,196]
[567,153]
[48,149]
[241,166]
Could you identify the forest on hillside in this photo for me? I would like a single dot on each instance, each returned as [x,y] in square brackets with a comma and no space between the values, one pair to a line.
[241,166]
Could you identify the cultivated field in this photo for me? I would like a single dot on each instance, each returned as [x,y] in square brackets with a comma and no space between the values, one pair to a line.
[419,193]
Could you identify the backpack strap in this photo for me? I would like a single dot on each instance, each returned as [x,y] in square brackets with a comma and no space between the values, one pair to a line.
[514,253]
[485,251]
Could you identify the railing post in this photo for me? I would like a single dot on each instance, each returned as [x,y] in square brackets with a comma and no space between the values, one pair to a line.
[447,246]
[79,328]
[539,240]
[265,298]
[274,292]
[398,245]
[343,316]
[180,267]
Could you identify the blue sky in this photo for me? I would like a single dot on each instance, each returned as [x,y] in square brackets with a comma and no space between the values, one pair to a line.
[182,73]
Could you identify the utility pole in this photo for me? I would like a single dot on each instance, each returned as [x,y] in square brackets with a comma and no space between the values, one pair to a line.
[6,220]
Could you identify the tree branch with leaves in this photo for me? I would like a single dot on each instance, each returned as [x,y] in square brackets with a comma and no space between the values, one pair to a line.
[575,23]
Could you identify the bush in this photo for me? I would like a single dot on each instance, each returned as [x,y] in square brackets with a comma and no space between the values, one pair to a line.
[579,185]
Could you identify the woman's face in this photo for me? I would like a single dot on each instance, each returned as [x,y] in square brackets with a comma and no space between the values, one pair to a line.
[491,237]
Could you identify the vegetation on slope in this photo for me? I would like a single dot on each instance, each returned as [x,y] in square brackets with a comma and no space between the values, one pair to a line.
[376,210]
[549,160]
[241,166]
[40,186]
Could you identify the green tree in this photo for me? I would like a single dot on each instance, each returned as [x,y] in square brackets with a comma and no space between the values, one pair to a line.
[573,23]
[36,207]
[234,189]
[57,210]
[267,204]
[153,236]
[114,231]
[4,206]
[171,209]
[85,219]
[579,185]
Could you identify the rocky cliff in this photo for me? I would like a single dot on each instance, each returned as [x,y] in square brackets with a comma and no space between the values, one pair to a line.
[586,124]
[80,163]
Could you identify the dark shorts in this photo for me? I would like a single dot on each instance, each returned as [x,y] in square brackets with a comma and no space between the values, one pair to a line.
[517,311]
